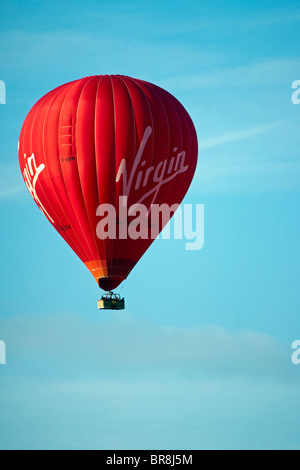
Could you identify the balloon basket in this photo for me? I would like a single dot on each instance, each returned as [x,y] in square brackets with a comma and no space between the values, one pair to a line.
[111,301]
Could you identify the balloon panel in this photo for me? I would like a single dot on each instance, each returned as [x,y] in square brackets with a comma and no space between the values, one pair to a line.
[95,140]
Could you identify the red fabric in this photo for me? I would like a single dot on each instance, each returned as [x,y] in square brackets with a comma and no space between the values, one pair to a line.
[72,144]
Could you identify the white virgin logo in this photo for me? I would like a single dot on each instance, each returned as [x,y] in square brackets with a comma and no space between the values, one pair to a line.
[164,172]
[31,173]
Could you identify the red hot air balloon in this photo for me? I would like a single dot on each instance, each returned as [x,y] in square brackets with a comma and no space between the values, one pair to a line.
[94,142]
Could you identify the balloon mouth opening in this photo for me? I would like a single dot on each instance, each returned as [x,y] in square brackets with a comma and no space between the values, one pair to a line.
[110,283]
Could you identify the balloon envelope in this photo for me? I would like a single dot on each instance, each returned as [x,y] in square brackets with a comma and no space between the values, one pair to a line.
[101,141]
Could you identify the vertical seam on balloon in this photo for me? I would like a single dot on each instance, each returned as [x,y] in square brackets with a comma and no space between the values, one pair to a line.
[121,262]
[166,97]
[44,101]
[114,245]
[77,244]
[80,185]
[195,144]
[137,83]
[99,241]
[81,247]
[63,210]
[168,123]
[65,186]
[88,246]
[176,105]
[79,176]
[111,244]
[151,114]
[96,157]
[190,141]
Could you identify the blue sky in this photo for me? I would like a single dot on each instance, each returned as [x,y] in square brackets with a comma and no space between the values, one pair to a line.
[201,357]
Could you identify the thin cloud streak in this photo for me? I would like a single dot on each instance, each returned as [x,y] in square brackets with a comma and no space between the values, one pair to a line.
[236,135]
[141,347]
[11,191]
[263,72]
[185,387]
[11,182]
[246,173]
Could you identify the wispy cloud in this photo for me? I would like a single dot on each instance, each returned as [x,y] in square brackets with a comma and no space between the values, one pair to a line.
[274,17]
[263,72]
[103,380]
[241,22]
[123,341]
[11,182]
[253,159]
[236,135]
[247,174]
